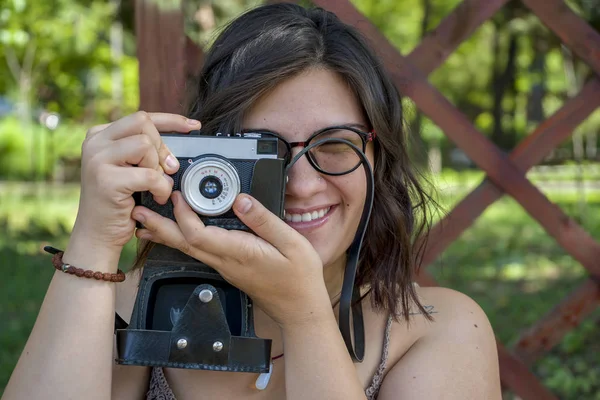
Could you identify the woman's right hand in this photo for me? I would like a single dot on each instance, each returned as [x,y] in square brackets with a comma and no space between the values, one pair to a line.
[118,159]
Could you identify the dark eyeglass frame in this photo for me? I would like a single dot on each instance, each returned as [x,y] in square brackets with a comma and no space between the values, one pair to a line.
[365,137]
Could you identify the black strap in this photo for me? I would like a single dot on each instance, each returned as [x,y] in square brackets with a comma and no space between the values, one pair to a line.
[350,298]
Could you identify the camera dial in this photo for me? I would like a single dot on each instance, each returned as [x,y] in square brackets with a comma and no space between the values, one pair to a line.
[210,185]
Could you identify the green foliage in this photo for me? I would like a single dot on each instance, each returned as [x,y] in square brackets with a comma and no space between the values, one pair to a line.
[56,52]
[566,370]
[13,147]
[33,152]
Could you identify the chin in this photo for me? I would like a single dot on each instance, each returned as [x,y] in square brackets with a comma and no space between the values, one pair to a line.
[326,235]
[328,255]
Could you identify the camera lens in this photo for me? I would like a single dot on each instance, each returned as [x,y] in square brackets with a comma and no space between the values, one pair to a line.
[211,187]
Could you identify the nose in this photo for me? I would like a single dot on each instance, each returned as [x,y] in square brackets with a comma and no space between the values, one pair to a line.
[304,181]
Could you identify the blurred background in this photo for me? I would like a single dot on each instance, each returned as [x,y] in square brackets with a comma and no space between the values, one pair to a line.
[66,65]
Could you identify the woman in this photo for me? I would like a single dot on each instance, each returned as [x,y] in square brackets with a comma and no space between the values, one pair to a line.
[293,72]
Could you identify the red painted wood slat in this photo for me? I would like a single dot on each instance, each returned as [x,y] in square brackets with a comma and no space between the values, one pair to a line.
[529,152]
[161,56]
[570,28]
[455,28]
[515,375]
[565,316]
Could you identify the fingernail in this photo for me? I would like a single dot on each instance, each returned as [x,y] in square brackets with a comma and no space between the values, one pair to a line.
[172,162]
[168,178]
[139,218]
[192,121]
[244,205]
[146,236]
[174,199]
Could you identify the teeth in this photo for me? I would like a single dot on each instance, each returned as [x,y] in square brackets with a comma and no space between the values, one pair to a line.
[306,217]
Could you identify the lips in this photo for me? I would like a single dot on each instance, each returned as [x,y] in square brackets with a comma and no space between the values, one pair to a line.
[306,222]
[306,216]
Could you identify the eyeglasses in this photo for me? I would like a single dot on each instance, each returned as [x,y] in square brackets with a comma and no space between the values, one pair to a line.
[329,157]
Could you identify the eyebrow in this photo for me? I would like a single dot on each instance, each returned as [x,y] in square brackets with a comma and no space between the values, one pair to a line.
[350,125]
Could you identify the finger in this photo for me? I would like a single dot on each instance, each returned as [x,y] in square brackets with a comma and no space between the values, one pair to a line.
[266,224]
[94,130]
[136,179]
[134,124]
[133,150]
[150,124]
[141,124]
[210,238]
[165,231]
[166,122]
[161,122]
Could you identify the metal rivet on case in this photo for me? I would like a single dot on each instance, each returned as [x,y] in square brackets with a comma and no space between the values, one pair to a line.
[217,346]
[205,295]
[181,344]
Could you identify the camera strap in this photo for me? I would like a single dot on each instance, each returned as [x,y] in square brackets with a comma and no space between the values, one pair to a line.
[350,298]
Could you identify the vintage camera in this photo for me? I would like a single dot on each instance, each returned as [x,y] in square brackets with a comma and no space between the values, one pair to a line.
[215,169]
[186,315]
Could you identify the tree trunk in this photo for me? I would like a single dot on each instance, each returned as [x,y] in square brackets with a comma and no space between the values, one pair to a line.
[573,88]
[503,83]
[434,159]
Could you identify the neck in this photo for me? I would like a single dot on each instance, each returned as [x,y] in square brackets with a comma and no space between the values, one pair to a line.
[333,275]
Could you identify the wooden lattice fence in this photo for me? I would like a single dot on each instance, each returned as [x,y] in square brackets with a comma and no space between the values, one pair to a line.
[167,57]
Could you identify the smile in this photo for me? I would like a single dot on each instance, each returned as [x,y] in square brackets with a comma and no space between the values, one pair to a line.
[307,216]
[308,221]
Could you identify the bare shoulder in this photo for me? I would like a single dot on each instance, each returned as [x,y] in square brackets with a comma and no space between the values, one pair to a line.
[454,356]
[457,320]
[453,310]
[128,382]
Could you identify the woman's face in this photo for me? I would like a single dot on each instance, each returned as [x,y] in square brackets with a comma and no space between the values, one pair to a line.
[296,109]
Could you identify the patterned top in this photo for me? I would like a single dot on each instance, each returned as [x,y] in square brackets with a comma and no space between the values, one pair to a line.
[159,388]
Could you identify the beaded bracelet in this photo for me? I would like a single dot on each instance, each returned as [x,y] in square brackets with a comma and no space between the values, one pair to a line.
[79,272]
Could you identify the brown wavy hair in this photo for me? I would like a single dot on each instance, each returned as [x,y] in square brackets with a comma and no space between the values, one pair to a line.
[272,43]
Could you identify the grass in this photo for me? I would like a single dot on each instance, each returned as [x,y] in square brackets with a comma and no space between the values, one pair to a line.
[505,261]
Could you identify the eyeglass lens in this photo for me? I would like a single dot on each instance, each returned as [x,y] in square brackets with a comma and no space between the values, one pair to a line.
[336,157]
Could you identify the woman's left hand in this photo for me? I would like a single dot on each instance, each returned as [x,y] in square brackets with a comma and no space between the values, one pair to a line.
[278,268]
